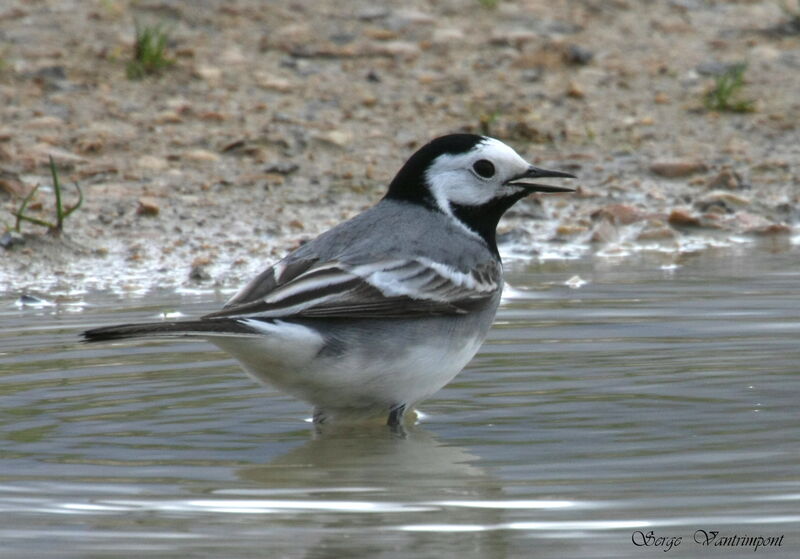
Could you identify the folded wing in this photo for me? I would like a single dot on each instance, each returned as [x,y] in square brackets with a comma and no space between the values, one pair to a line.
[389,288]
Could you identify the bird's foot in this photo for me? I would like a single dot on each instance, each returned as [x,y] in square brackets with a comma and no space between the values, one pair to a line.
[319,416]
[396,415]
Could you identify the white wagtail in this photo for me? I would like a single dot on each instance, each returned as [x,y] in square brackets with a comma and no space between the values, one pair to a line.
[383,310]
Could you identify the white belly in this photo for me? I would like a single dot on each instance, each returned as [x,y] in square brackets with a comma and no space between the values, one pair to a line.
[359,378]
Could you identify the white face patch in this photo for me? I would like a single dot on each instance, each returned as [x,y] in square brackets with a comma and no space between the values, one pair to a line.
[453,180]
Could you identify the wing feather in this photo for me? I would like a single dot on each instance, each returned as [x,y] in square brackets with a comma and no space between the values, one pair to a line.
[390,288]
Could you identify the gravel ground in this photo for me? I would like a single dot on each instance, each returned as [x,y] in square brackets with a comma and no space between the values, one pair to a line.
[280,119]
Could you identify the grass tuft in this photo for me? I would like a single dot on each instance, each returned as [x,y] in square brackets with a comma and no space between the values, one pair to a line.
[149,52]
[725,95]
[487,120]
[62,213]
[4,64]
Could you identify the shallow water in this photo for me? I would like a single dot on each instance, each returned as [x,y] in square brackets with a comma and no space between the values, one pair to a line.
[653,397]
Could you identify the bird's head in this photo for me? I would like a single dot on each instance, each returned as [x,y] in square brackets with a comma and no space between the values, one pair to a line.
[471,178]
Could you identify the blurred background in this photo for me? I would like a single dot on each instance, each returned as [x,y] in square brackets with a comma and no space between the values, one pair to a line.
[209,134]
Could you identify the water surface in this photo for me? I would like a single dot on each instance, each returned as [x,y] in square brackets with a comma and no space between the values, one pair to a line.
[652,397]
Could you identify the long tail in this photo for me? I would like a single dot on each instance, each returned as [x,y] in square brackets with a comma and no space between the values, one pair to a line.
[188,328]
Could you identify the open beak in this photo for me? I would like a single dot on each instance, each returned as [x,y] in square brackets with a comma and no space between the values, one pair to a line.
[536,173]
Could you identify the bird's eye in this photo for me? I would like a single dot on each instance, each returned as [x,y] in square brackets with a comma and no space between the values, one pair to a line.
[484,168]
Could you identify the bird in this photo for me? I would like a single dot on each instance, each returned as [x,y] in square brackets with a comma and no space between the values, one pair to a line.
[381,311]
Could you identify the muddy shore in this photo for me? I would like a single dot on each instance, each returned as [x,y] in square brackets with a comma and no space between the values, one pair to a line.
[278,120]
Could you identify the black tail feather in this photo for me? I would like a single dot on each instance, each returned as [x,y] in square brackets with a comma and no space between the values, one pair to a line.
[189,328]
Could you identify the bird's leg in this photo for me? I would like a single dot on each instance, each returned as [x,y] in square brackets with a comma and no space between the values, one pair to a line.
[319,416]
[396,415]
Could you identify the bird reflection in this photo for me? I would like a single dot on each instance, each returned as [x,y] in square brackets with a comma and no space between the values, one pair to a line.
[406,482]
[339,455]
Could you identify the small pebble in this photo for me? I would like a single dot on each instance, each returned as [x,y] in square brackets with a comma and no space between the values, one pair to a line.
[397,49]
[274,83]
[681,218]
[447,36]
[371,13]
[168,117]
[10,239]
[151,163]
[773,230]
[727,179]
[676,168]
[716,68]
[148,206]
[408,18]
[282,167]
[578,55]
[202,155]
[662,233]
[622,214]
[10,183]
[575,91]
[199,273]
[723,199]
[333,138]
[45,123]
[210,74]
[516,38]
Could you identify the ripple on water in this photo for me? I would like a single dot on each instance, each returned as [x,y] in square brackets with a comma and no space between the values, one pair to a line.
[643,400]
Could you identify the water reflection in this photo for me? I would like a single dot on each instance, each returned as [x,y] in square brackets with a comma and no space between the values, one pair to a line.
[359,456]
